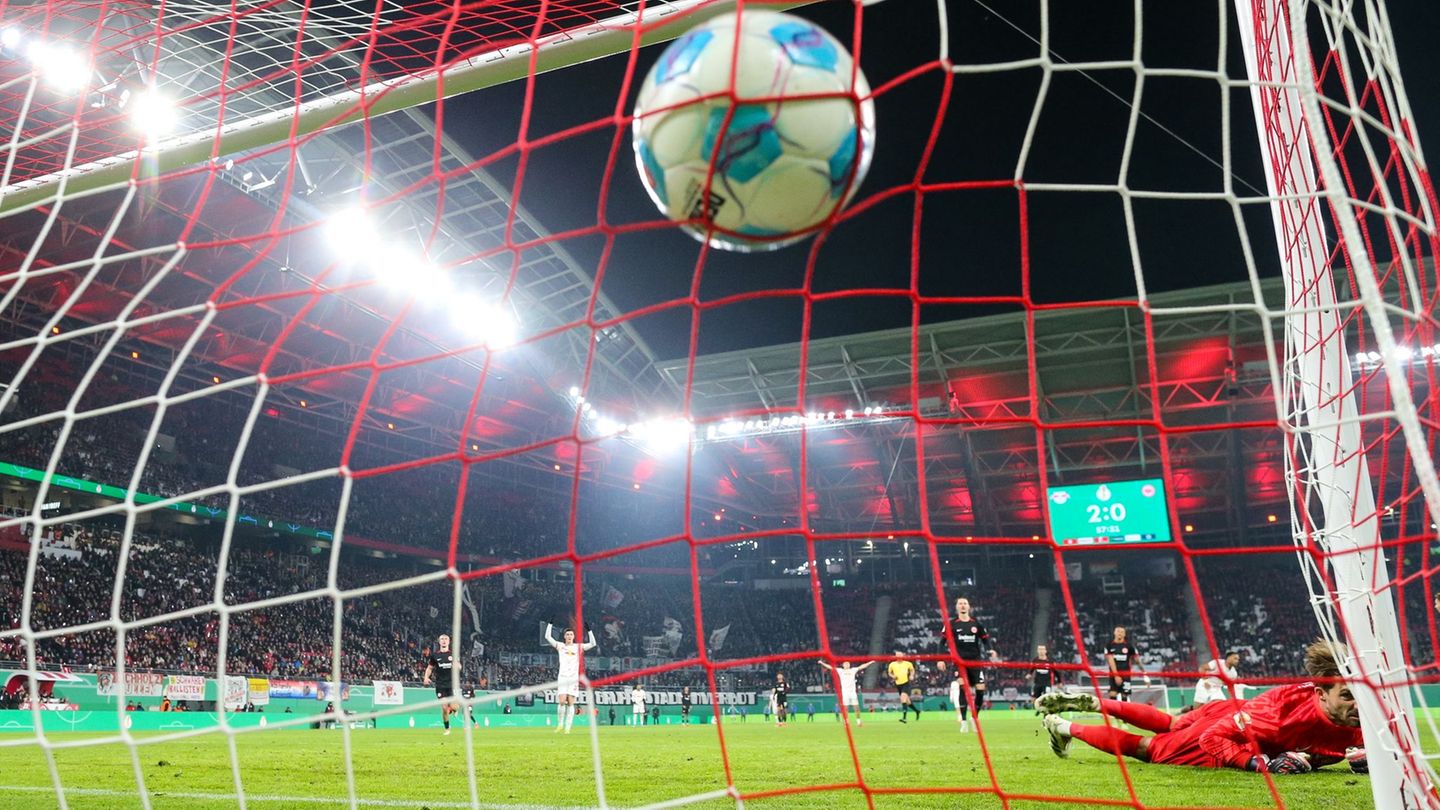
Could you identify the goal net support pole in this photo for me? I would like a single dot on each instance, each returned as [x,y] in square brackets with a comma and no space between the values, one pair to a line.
[1333,510]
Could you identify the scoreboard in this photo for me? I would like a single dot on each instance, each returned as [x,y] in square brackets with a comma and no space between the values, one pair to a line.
[1109,513]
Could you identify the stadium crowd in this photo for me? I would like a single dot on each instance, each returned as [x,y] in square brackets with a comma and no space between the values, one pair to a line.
[386,634]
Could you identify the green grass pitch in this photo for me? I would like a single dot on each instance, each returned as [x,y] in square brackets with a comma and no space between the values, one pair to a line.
[535,769]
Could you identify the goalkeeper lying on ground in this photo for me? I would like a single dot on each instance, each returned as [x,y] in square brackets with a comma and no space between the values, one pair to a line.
[1297,727]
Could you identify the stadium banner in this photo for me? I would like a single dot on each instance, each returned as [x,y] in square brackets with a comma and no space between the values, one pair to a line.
[606,697]
[235,691]
[185,687]
[388,693]
[301,690]
[259,689]
[329,690]
[137,684]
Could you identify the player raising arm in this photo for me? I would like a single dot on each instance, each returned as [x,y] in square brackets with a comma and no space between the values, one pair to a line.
[444,667]
[1296,727]
[568,689]
[849,693]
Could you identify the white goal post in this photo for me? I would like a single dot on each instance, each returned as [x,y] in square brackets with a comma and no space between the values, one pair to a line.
[1333,509]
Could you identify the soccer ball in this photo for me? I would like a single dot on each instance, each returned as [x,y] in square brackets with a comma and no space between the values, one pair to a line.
[782,164]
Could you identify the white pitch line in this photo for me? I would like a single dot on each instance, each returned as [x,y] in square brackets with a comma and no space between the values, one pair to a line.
[249,797]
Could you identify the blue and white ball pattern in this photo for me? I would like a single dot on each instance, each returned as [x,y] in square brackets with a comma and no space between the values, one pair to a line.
[782,165]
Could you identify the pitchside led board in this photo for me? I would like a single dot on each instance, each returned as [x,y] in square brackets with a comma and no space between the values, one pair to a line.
[1111,513]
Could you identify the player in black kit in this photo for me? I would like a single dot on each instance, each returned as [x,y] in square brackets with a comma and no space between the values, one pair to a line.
[1121,657]
[782,694]
[443,666]
[685,706]
[1042,677]
[971,639]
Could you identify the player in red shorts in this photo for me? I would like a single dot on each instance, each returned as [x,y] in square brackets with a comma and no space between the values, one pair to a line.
[1297,727]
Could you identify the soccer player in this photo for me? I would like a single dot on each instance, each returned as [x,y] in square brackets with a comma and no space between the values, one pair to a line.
[849,693]
[902,673]
[568,689]
[970,640]
[781,696]
[637,700]
[1121,658]
[1042,677]
[1296,727]
[444,667]
[1215,674]
[684,705]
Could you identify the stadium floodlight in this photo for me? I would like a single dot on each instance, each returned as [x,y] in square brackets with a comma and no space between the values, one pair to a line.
[59,67]
[11,37]
[662,434]
[152,114]
[1403,355]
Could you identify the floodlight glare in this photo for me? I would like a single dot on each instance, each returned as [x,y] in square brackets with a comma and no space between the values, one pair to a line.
[352,235]
[10,37]
[493,324]
[61,68]
[152,114]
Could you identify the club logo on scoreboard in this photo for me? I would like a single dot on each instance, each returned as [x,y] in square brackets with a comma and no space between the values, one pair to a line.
[1060,497]
[1148,490]
[1103,493]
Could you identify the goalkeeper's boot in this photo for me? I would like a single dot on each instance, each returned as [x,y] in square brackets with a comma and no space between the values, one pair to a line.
[1059,730]
[1056,702]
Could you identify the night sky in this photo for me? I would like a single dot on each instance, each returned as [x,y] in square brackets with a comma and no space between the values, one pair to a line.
[969,240]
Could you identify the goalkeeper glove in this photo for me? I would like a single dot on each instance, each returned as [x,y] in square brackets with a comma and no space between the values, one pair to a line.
[1288,762]
[1359,763]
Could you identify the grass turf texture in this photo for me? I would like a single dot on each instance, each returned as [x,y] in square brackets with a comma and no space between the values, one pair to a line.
[536,769]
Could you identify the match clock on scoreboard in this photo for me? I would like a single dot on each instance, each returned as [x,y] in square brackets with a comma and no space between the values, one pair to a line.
[1108,513]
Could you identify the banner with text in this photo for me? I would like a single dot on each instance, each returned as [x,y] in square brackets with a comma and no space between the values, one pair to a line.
[137,684]
[235,691]
[389,693]
[185,687]
[662,698]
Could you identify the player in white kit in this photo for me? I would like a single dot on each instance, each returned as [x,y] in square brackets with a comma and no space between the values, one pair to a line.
[849,692]
[638,698]
[1212,686]
[569,677]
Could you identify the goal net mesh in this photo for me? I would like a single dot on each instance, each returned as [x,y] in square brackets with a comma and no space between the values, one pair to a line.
[329,327]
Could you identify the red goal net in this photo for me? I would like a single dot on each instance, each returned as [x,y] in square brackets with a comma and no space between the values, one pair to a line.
[330,327]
